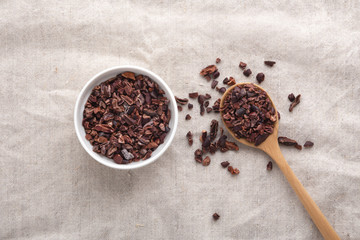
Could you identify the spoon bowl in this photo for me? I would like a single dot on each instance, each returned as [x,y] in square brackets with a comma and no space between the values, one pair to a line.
[271,147]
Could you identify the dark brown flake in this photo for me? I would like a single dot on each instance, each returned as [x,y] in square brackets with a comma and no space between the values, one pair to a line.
[291,97]
[187,117]
[179,108]
[193,95]
[218,60]
[182,101]
[198,155]
[269,166]
[225,164]
[216,216]
[308,144]
[242,65]
[260,77]
[247,72]
[214,84]
[190,106]
[269,63]
[206,161]
[294,103]
[189,137]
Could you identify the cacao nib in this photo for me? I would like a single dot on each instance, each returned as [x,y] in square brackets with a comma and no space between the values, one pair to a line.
[269,63]
[182,101]
[216,216]
[242,65]
[225,164]
[260,77]
[193,95]
[187,117]
[269,166]
[218,60]
[247,72]
[308,144]
[190,106]
[291,97]
[295,102]
[189,137]
[206,161]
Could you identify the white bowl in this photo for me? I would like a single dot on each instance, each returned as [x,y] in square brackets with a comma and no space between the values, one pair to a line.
[85,93]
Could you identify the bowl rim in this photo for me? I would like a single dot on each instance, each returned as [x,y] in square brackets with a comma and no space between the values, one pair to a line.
[168,138]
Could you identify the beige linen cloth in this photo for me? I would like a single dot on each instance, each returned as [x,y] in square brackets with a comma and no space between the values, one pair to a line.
[50,188]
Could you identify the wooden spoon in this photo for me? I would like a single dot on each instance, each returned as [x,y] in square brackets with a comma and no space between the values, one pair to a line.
[271,147]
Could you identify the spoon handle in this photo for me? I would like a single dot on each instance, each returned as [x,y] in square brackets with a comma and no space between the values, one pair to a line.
[314,211]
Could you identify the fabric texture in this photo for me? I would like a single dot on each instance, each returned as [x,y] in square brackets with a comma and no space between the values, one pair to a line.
[51,188]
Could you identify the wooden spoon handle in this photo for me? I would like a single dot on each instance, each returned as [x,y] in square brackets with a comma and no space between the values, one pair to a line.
[316,215]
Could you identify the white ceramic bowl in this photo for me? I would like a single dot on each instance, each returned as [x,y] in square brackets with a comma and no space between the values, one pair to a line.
[85,93]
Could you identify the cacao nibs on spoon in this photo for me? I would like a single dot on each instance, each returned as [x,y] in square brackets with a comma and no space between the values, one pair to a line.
[249,114]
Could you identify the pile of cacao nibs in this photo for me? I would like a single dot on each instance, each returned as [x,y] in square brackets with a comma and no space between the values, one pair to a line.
[126,117]
[248,112]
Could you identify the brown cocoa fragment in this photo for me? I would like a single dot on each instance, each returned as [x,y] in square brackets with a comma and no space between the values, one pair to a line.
[226,80]
[287,141]
[179,108]
[278,115]
[269,166]
[222,90]
[294,103]
[260,77]
[242,65]
[216,216]
[207,96]
[201,99]
[206,161]
[299,147]
[269,63]
[291,97]
[193,95]
[187,117]
[190,106]
[216,74]
[308,144]
[233,171]
[208,109]
[225,164]
[213,129]
[189,137]
[202,109]
[208,70]
[247,72]
[218,60]
[214,84]
[231,81]
[198,155]
[182,101]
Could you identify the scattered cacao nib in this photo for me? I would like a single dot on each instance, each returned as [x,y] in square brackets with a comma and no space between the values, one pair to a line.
[216,216]
[231,81]
[206,161]
[198,155]
[247,72]
[278,115]
[190,106]
[248,113]
[233,171]
[187,117]
[222,90]
[308,144]
[202,109]
[225,164]
[201,99]
[208,70]
[269,63]
[216,106]
[242,65]
[179,108]
[260,77]
[206,103]
[207,96]
[208,109]
[203,136]
[291,97]
[226,80]
[193,95]
[214,84]
[182,101]
[126,117]
[216,74]
[218,60]
[269,166]
[295,102]
[213,129]
[287,141]
[189,137]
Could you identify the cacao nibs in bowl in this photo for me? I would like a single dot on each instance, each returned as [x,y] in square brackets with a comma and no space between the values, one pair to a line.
[127,117]
[248,112]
